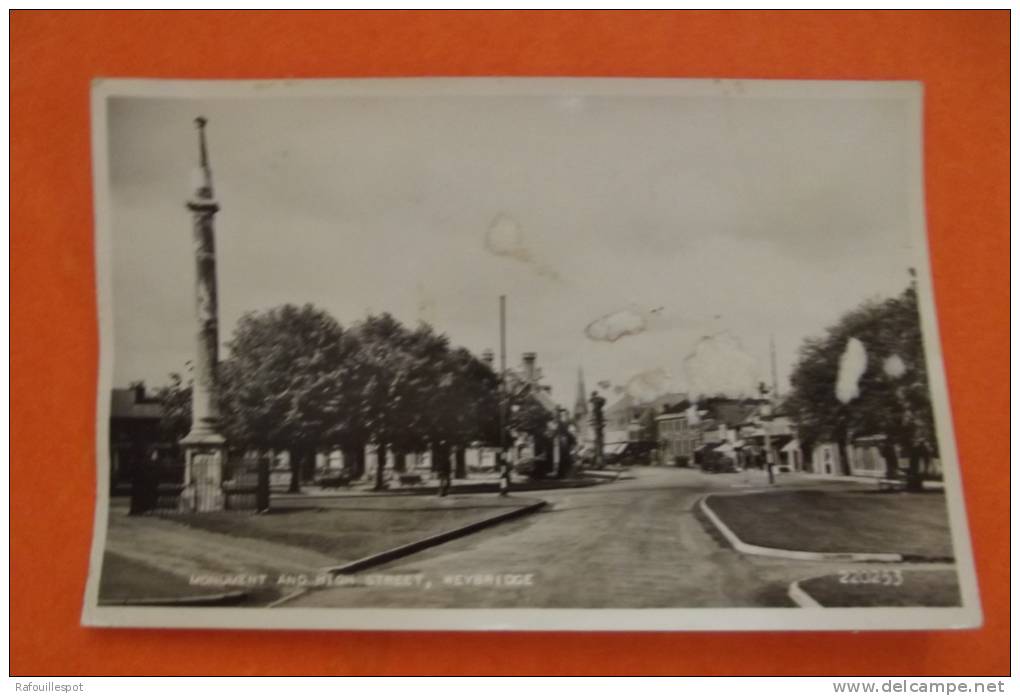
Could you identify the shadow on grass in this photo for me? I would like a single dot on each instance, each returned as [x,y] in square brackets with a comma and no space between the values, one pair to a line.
[894,492]
[709,527]
[842,521]
[774,596]
[127,582]
[608,505]
[284,511]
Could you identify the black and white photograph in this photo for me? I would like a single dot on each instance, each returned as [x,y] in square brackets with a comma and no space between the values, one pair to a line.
[542,354]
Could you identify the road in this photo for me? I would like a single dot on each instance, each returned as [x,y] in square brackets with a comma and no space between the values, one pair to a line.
[632,543]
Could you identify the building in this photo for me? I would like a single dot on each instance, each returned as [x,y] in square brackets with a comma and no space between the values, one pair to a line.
[719,434]
[722,434]
[792,456]
[867,458]
[774,432]
[627,414]
[677,439]
[135,418]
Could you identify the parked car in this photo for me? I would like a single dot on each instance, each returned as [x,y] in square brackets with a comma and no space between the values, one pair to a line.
[718,464]
[534,467]
[635,453]
[334,480]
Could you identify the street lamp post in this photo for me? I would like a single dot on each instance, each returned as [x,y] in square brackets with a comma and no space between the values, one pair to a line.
[769,455]
[562,455]
[599,421]
[766,418]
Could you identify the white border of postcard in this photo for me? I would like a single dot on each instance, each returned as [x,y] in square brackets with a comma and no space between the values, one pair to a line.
[658,619]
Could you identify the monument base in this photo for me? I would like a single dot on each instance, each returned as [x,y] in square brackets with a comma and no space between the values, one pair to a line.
[205,457]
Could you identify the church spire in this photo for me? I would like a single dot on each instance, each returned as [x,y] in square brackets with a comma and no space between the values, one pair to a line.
[581,402]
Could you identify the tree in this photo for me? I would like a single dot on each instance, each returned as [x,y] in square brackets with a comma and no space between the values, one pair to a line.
[286,382]
[893,395]
[419,392]
[649,426]
[468,404]
[175,401]
[296,380]
[529,415]
[396,373]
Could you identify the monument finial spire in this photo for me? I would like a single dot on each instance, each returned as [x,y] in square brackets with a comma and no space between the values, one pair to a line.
[205,189]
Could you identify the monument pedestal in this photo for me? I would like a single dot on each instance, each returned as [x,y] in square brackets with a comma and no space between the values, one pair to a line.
[205,458]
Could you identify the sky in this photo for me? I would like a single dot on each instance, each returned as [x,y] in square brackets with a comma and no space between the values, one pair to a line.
[657,242]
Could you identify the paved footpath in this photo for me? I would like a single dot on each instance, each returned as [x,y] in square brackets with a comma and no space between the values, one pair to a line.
[633,543]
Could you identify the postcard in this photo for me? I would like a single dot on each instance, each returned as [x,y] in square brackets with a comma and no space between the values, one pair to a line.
[522,354]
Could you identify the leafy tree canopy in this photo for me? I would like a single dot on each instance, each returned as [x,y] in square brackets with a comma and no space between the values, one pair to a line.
[284,384]
[296,380]
[893,400]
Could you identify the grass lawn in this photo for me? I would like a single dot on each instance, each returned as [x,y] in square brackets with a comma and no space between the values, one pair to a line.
[124,578]
[913,524]
[919,588]
[347,529]
[127,579]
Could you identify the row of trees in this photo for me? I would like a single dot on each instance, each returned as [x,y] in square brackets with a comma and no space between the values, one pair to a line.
[296,380]
[893,397]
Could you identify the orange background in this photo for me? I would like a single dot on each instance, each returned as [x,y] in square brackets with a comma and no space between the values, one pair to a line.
[963,60]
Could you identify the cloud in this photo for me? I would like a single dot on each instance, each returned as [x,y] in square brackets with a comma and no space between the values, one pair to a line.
[505,238]
[648,385]
[719,365]
[616,325]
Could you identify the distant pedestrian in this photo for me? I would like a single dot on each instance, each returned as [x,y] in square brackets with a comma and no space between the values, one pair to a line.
[504,478]
[444,477]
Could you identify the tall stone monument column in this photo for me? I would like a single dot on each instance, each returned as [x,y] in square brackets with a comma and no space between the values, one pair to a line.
[204,447]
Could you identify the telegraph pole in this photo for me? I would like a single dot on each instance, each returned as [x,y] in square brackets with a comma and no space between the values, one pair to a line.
[775,372]
[504,465]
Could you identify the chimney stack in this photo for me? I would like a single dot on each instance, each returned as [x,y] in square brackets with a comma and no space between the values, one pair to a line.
[139,391]
[530,374]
